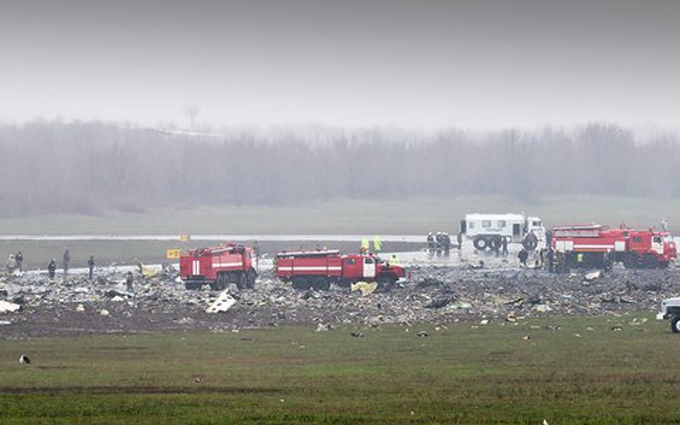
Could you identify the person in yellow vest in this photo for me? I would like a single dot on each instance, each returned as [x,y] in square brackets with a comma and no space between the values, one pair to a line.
[364,246]
[377,244]
[394,261]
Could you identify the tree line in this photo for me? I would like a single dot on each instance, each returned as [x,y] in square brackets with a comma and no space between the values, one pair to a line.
[87,167]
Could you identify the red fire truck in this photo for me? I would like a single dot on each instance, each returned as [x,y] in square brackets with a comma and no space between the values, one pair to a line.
[219,266]
[599,246]
[319,268]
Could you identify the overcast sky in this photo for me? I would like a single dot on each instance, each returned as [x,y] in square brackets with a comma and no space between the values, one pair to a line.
[422,64]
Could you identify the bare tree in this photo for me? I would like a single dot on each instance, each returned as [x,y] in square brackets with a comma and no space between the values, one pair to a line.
[191,111]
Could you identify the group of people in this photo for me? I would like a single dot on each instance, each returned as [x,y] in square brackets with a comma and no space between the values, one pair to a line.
[15,263]
[543,258]
[557,261]
[438,243]
[365,246]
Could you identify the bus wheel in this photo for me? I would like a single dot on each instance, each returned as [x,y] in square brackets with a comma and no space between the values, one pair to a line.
[479,243]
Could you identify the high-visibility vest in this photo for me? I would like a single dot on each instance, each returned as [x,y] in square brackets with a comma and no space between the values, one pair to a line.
[377,244]
[364,244]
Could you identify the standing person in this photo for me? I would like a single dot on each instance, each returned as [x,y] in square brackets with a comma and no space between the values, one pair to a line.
[364,246]
[561,260]
[90,265]
[52,268]
[377,244]
[504,245]
[430,243]
[19,258]
[128,281]
[66,259]
[446,239]
[523,255]
[11,264]
[459,239]
[551,260]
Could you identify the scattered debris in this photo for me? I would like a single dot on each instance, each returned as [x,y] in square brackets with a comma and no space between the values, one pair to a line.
[24,359]
[357,334]
[440,290]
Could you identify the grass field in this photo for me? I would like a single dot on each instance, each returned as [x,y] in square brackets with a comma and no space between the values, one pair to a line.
[582,373]
[410,216]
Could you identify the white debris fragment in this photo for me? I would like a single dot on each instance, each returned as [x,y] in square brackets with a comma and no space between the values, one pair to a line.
[593,275]
[104,312]
[80,308]
[222,304]
[8,307]
[543,308]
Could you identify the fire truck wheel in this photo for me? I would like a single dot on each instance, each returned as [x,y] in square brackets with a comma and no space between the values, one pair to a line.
[630,261]
[192,285]
[675,324]
[220,283]
[242,282]
[343,283]
[479,243]
[300,284]
[321,284]
[385,283]
[650,262]
[251,278]
[663,264]
[495,243]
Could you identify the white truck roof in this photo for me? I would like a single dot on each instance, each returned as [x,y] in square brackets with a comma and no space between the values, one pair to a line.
[508,217]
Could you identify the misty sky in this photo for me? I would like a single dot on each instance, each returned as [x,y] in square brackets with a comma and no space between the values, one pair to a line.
[423,64]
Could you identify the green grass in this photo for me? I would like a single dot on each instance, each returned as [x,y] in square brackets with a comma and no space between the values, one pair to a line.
[411,216]
[581,373]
